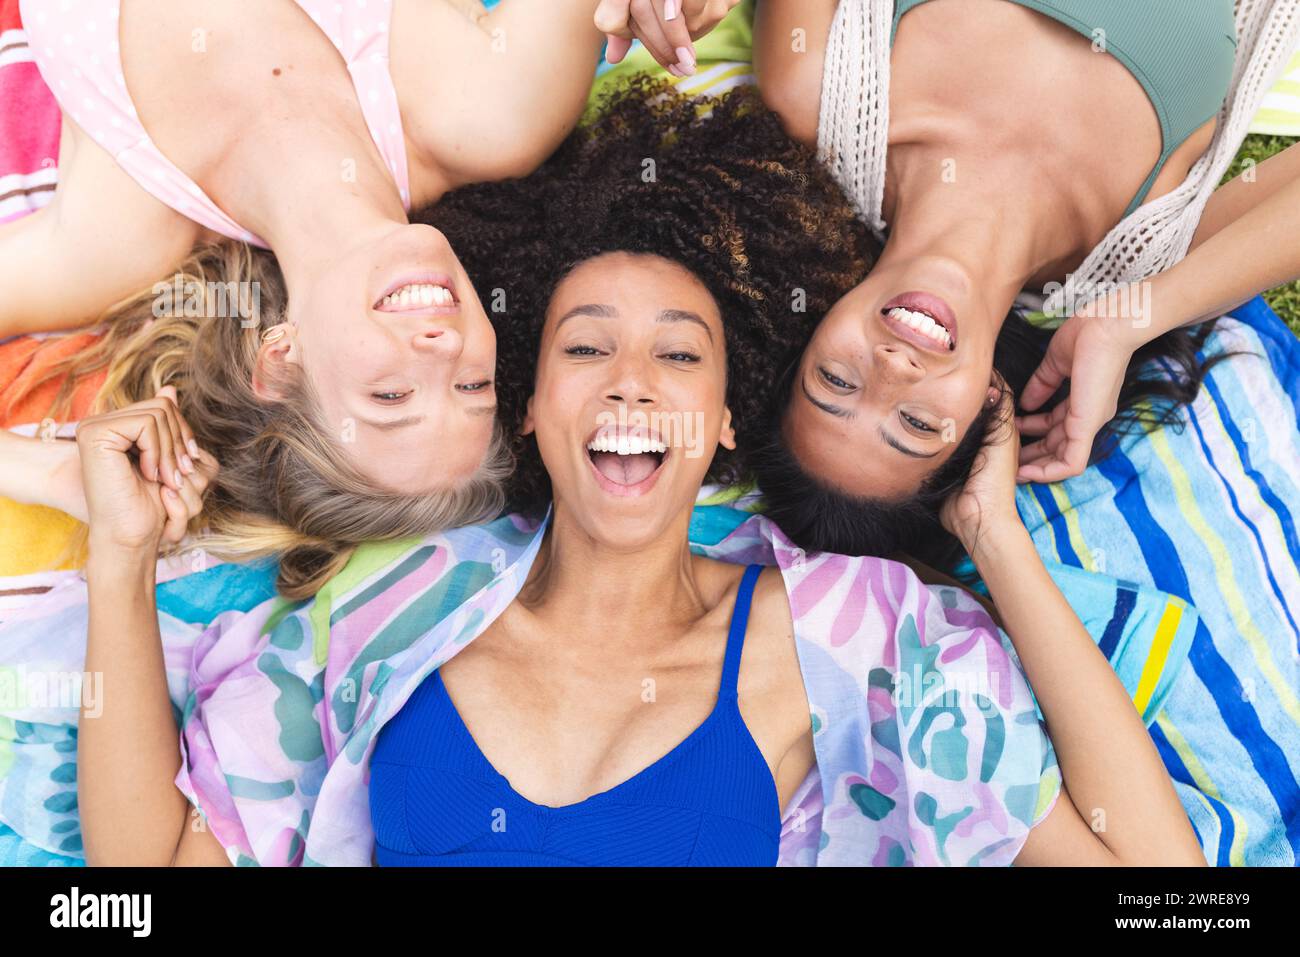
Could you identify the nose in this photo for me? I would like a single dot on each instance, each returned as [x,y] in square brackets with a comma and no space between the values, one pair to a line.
[444,344]
[631,383]
[896,365]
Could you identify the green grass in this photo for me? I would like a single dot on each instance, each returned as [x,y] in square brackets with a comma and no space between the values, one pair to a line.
[1284,300]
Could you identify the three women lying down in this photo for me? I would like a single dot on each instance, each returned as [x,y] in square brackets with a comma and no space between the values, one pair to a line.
[633,702]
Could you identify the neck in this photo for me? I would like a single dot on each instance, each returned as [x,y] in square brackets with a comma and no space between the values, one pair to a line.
[991,215]
[310,187]
[581,584]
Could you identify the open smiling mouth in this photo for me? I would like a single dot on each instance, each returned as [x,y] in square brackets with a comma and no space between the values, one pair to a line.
[419,296]
[626,462]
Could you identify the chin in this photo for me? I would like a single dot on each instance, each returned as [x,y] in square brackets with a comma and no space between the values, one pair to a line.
[623,532]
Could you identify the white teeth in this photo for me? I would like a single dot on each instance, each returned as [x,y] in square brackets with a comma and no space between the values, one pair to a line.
[626,445]
[419,294]
[922,324]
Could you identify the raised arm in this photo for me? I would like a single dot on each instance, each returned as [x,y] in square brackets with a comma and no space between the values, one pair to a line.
[509,86]
[101,239]
[1117,805]
[790,39]
[1248,242]
[128,753]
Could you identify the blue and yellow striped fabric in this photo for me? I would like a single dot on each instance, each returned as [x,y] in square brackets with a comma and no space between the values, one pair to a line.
[1208,513]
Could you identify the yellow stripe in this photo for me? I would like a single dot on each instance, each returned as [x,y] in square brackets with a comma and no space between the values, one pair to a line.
[1155,663]
[1203,782]
[1072,529]
[1225,576]
[1276,123]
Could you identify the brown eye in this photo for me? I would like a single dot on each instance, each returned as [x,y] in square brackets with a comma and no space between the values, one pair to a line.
[916,423]
[833,380]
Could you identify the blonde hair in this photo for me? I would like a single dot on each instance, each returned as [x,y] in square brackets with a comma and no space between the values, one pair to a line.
[285,488]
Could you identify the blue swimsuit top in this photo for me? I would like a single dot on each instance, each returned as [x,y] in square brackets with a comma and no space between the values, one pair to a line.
[435,800]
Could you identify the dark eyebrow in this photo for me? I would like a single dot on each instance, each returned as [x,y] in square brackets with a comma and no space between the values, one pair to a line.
[395,423]
[683,315]
[834,410]
[893,443]
[589,309]
[601,311]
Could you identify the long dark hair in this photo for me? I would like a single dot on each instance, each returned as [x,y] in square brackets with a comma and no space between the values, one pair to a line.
[1163,376]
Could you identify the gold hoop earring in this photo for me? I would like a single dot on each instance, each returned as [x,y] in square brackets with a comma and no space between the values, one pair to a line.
[274,334]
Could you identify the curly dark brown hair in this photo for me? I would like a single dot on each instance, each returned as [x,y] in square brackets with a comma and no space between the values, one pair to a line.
[713,184]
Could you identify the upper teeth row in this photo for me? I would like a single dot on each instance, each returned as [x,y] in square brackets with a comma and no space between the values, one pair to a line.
[420,294]
[626,444]
[922,324]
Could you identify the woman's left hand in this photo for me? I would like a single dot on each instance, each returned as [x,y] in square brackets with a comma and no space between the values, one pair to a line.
[667,28]
[987,501]
[1092,349]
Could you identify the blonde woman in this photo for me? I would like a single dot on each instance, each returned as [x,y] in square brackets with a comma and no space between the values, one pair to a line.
[348,382]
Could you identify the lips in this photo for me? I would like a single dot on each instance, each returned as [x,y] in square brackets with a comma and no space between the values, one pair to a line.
[626,462]
[922,319]
[423,294]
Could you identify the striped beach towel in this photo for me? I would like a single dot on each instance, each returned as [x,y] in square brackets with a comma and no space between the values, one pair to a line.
[29,124]
[1279,114]
[1208,513]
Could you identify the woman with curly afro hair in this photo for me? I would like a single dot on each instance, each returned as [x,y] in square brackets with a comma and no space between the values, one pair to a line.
[714,185]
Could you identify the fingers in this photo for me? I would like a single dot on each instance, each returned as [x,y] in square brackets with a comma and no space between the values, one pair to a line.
[678,34]
[613,18]
[1049,470]
[1054,458]
[178,516]
[1042,422]
[647,26]
[616,48]
[185,433]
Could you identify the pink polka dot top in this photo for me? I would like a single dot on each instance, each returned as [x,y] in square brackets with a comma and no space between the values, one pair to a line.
[75,45]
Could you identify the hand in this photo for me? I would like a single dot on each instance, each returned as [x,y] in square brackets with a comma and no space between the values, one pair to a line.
[138,506]
[665,27]
[987,502]
[1092,349]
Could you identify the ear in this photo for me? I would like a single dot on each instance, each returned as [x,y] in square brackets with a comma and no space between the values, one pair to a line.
[997,385]
[529,425]
[727,436]
[279,348]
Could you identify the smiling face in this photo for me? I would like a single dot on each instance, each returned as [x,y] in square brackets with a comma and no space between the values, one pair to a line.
[889,383]
[400,355]
[630,399]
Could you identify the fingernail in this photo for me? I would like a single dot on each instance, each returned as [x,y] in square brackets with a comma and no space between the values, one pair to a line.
[686,60]
[193,447]
[187,464]
[670,9]
[169,492]
[675,70]
[180,479]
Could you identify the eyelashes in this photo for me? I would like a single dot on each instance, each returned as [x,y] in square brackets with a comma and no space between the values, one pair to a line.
[832,379]
[916,423]
[678,355]
[836,382]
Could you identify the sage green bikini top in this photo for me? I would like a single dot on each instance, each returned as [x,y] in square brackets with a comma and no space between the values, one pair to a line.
[1181,51]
